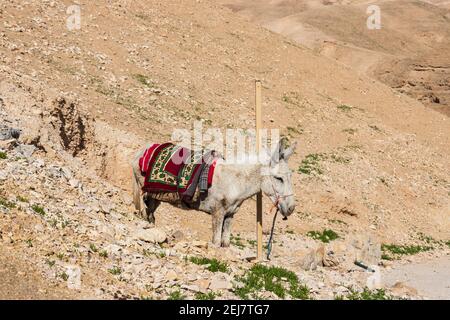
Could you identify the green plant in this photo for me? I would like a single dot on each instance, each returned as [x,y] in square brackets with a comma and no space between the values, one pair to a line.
[38,209]
[22,199]
[214,265]
[252,242]
[367,294]
[385,256]
[278,280]
[310,165]
[205,296]
[176,295]
[237,241]
[7,204]
[339,159]
[344,107]
[404,249]
[103,254]
[115,270]
[50,263]
[29,242]
[53,222]
[349,131]
[294,131]
[144,80]
[3,155]
[64,276]
[448,243]
[325,236]
[93,247]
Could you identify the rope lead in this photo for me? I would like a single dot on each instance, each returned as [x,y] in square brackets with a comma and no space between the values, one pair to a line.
[269,244]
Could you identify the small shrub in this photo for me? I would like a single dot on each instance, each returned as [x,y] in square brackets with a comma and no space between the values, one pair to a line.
[205,296]
[310,165]
[144,80]
[344,107]
[385,256]
[292,131]
[278,280]
[176,295]
[349,131]
[3,155]
[50,263]
[367,294]
[7,204]
[214,265]
[399,250]
[22,199]
[93,247]
[103,254]
[39,210]
[325,236]
[64,276]
[115,270]
[237,241]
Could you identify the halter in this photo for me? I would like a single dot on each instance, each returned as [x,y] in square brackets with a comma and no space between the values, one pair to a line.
[277,200]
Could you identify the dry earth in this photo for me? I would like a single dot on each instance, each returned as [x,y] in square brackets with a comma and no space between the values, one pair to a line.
[86,99]
[409,53]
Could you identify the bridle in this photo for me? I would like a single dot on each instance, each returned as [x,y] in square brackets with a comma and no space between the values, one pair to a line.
[278,200]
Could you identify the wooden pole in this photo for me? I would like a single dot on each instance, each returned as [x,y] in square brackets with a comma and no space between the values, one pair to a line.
[259,216]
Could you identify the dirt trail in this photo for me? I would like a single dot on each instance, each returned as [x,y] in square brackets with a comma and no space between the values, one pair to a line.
[431,278]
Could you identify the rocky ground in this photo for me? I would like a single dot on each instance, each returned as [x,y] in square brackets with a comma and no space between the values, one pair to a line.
[371,167]
[54,216]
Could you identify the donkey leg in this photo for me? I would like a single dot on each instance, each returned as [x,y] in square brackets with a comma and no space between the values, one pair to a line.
[226,230]
[151,206]
[217,225]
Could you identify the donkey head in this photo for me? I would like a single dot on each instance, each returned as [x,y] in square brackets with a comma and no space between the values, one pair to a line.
[277,179]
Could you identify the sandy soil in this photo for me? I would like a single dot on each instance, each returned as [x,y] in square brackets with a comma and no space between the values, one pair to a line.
[431,277]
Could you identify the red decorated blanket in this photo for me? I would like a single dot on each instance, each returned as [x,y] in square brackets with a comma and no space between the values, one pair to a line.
[169,168]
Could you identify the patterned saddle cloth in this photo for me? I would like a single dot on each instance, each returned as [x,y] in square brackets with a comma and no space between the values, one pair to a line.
[173,172]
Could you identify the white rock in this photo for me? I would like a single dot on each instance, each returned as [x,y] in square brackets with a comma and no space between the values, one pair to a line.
[220,282]
[153,235]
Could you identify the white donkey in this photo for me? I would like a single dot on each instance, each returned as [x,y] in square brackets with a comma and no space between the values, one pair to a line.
[232,185]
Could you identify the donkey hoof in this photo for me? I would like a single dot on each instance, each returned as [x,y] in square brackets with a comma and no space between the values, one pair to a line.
[213,244]
[226,244]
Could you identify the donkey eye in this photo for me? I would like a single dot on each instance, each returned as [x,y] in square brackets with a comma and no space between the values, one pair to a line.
[279,179]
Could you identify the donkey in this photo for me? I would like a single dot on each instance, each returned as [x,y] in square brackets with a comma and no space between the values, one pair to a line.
[232,185]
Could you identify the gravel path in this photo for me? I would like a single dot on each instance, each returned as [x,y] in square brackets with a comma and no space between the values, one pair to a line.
[431,278]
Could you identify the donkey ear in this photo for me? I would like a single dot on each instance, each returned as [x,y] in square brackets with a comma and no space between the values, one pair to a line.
[286,153]
[276,153]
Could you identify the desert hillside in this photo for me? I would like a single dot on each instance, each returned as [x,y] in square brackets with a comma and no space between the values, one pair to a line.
[408,53]
[372,163]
